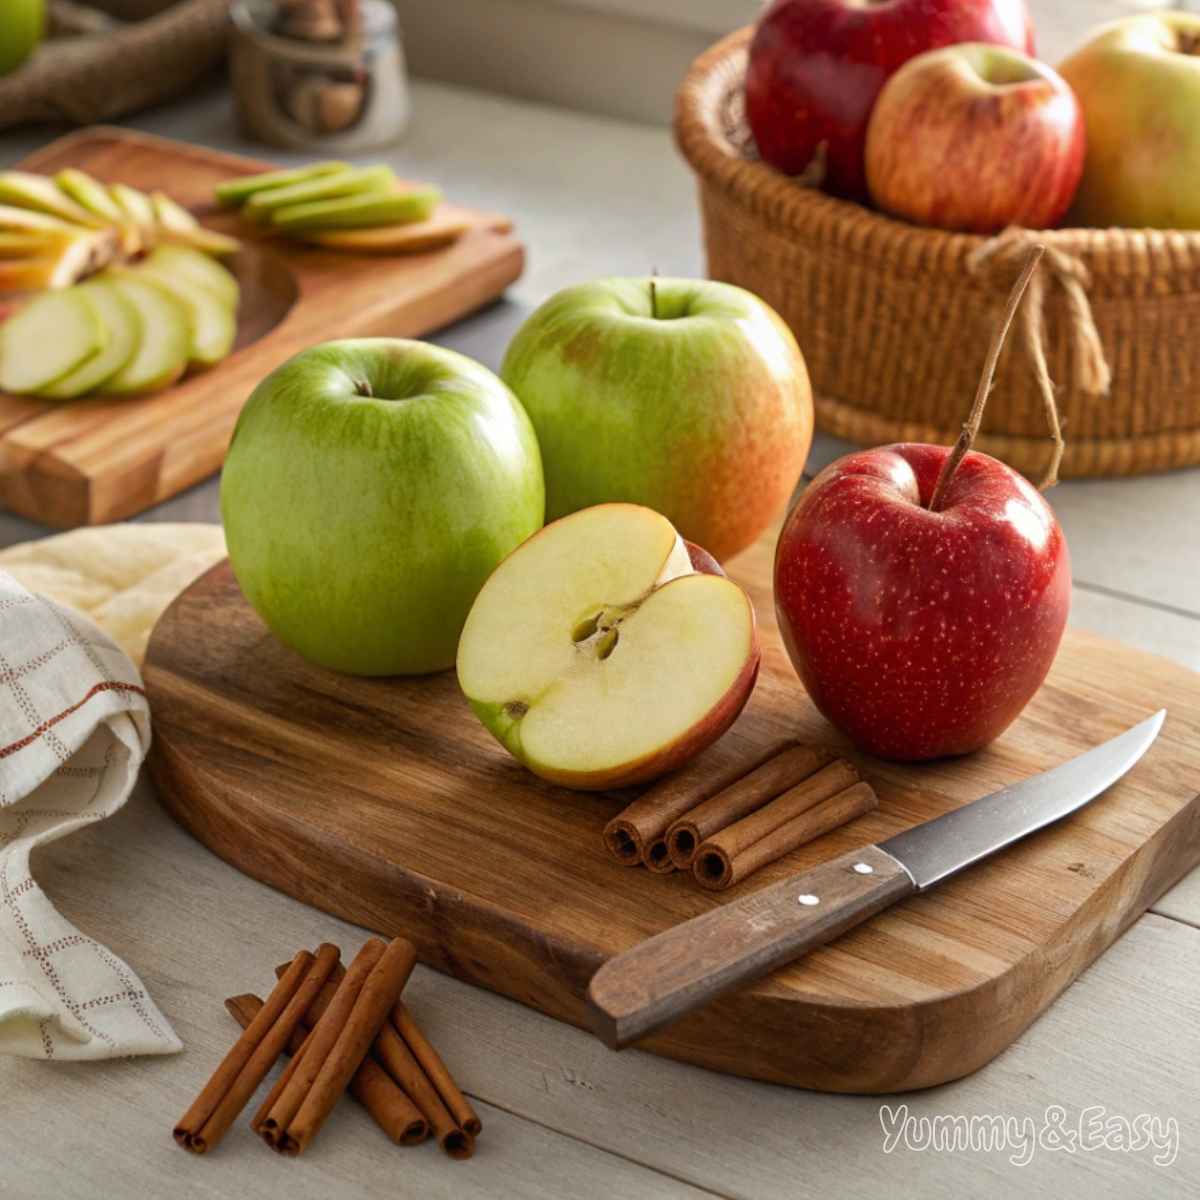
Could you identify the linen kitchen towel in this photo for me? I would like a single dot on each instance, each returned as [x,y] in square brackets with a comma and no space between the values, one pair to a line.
[74,728]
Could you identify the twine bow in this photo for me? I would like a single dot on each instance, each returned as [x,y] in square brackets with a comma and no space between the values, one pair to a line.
[1007,252]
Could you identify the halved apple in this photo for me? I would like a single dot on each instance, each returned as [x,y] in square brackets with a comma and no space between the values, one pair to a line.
[356,212]
[162,353]
[262,204]
[176,224]
[600,657]
[237,191]
[24,189]
[121,321]
[438,231]
[212,321]
[53,334]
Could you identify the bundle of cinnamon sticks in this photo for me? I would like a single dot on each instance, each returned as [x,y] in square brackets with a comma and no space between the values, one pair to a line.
[723,824]
[345,1029]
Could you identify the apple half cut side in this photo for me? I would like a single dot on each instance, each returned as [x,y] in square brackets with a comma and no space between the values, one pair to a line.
[599,655]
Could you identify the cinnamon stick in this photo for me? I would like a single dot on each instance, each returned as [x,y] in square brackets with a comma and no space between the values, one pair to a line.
[371,1085]
[255,1052]
[378,996]
[717,868]
[637,834]
[436,1070]
[338,1044]
[392,1052]
[284,1101]
[744,796]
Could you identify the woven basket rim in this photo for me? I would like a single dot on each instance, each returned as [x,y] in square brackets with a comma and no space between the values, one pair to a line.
[1113,253]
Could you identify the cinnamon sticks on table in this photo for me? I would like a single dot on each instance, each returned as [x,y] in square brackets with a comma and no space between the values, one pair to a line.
[725,824]
[343,1029]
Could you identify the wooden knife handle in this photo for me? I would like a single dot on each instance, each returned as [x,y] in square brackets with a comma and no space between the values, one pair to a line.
[684,967]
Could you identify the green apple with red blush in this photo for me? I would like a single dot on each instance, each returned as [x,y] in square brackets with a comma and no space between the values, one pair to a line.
[687,396]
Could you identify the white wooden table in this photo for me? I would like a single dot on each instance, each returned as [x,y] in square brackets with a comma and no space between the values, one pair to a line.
[564,1117]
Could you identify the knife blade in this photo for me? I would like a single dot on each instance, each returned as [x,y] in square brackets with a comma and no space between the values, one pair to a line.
[671,974]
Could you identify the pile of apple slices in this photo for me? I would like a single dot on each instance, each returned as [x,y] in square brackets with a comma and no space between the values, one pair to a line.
[341,207]
[54,231]
[129,330]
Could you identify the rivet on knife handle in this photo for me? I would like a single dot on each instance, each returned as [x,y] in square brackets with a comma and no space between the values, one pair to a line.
[662,978]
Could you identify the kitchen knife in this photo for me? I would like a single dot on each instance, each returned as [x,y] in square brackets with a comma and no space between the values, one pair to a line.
[682,968]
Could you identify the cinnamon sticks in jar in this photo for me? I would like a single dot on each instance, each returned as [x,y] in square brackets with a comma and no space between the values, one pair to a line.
[723,825]
[343,1029]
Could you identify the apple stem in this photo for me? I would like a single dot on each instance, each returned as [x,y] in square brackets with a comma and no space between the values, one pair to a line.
[971,429]
[654,294]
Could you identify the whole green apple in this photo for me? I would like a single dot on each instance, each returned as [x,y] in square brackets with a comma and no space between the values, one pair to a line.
[1138,82]
[371,487]
[22,24]
[684,395]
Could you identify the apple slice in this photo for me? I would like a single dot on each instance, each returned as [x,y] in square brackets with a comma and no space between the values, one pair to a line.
[355,212]
[53,334]
[262,204]
[599,656]
[55,268]
[41,194]
[199,268]
[138,210]
[89,193]
[162,352]
[438,231]
[237,191]
[121,321]
[14,217]
[212,321]
[176,224]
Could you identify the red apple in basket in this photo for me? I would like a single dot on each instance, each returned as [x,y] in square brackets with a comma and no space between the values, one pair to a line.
[975,138]
[922,593]
[816,68]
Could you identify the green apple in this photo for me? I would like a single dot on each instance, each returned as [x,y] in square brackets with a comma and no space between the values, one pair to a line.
[22,25]
[356,212]
[1138,83]
[688,396]
[161,356]
[601,654]
[53,334]
[371,487]
[262,204]
[237,191]
[124,331]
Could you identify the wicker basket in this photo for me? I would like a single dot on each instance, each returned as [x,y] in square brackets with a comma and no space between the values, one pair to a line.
[895,320]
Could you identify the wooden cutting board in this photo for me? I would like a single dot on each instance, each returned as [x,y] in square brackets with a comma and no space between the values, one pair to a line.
[385,802]
[90,461]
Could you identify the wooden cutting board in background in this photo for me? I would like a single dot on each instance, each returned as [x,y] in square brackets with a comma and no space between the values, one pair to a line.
[86,462]
[385,802]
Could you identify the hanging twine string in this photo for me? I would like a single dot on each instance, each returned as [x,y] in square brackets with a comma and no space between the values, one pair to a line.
[1008,251]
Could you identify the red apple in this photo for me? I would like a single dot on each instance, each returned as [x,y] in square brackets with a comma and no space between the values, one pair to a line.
[816,68]
[920,633]
[975,138]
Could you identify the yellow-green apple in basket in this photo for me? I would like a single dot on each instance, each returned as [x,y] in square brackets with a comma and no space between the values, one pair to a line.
[606,650]
[685,395]
[975,138]
[22,24]
[371,486]
[1138,82]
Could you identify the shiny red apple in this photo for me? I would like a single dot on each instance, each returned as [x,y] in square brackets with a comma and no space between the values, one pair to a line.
[816,68]
[921,633]
[975,138]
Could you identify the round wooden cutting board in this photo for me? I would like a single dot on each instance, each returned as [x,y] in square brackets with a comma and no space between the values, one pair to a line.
[385,802]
